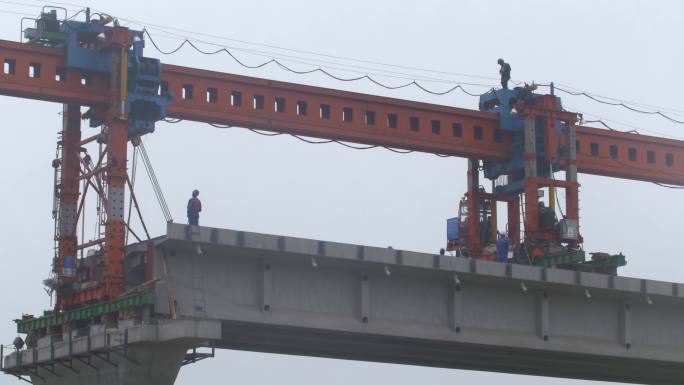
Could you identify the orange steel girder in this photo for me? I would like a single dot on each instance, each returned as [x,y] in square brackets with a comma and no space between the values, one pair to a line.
[325,113]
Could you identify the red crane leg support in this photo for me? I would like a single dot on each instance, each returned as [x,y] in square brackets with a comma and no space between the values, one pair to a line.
[531,209]
[117,141]
[473,201]
[68,191]
[514,220]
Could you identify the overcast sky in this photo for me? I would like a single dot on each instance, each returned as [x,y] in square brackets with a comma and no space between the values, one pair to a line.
[624,49]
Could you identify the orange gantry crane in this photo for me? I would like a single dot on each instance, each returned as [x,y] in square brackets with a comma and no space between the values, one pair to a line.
[517,137]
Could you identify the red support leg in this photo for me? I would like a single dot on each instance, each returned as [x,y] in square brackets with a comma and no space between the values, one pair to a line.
[115,227]
[572,208]
[68,193]
[514,220]
[531,209]
[473,200]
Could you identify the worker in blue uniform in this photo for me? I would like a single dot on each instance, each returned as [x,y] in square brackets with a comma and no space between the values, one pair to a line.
[194,208]
[505,72]
[502,248]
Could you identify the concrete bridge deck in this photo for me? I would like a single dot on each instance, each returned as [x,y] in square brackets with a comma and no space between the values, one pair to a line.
[280,294]
[308,297]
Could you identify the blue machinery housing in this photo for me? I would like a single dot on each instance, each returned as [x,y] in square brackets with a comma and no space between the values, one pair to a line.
[146,101]
[503,102]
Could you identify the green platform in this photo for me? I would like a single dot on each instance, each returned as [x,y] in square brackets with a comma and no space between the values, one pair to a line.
[86,312]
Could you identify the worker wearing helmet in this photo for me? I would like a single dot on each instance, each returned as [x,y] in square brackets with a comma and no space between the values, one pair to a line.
[194,208]
[505,72]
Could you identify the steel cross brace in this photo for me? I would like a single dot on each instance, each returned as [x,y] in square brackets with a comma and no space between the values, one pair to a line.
[70,366]
[86,361]
[50,368]
[20,377]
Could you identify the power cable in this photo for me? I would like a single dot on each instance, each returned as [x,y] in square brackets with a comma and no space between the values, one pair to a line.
[16,13]
[669,109]
[311,141]
[357,147]
[681,177]
[264,133]
[410,151]
[282,65]
[634,129]
[593,96]
[298,51]
[620,104]
[669,186]
[270,54]
[308,61]
[604,124]
[398,151]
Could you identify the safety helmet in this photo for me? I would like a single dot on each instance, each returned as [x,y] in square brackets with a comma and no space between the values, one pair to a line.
[500,61]
[195,193]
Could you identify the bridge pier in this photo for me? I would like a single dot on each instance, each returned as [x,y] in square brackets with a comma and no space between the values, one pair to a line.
[128,355]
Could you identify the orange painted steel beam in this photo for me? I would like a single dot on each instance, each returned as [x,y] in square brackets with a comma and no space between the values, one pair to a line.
[53,82]
[331,114]
[208,96]
[630,156]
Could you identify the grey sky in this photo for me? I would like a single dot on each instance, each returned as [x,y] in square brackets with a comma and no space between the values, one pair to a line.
[625,49]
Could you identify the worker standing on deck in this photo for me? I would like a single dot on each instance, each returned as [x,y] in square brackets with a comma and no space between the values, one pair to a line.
[194,208]
[502,248]
[505,72]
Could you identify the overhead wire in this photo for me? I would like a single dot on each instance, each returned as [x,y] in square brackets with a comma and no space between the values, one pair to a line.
[146,26]
[669,186]
[328,141]
[606,125]
[299,51]
[16,13]
[287,49]
[620,104]
[299,60]
[316,53]
[282,65]
[303,139]
[594,96]
[670,109]
[634,129]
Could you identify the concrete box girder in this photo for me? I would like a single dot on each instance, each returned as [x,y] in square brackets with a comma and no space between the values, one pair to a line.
[300,296]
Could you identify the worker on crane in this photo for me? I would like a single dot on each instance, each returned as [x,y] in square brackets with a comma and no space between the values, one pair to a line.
[502,248]
[505,72]
[194,208]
